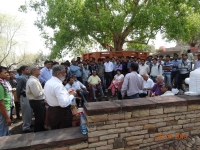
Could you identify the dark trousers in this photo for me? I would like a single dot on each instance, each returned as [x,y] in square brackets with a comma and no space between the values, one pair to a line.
[84,95]
[175,77]
[109,78]
[132,96]
[80,79]
[59,117]
[182,77]
[143,95]
[39,110]
[17,107]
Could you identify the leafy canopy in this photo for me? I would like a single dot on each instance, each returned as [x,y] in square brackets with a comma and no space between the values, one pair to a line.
[77,23]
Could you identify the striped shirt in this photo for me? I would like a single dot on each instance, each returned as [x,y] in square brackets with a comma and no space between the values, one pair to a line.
[184,66]
[167,65]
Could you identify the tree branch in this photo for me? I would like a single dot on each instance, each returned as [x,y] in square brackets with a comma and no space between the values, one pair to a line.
[137,42]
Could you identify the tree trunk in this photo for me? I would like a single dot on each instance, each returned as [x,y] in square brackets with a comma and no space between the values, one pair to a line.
[118,43]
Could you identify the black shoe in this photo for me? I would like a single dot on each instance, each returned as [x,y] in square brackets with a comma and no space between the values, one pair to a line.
[19,118]
[28,130]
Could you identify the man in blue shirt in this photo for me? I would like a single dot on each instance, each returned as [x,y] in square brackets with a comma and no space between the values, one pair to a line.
[45,73]
[76,70]
[175,71]
[167,67]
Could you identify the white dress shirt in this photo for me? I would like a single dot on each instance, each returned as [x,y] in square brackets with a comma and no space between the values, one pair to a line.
[168,93]
[34,90]
[147,84]
[56,94]
[108,66]
[143,69]
[156,70]
[77,85]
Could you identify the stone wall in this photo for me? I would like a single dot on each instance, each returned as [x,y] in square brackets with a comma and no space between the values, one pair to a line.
[141,123]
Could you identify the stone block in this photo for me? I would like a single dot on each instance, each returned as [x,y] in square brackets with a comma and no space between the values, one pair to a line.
[141,122]
[168,119]
[146,136]
[152,130]
[161,124]
[195,132]
[164,129]
[97,144]
[78,146]
[148,126]
[116,116]
[134,142]
[139,132]
[197,123]
[174,114]
[193,107]
[110,136]
[169,110]
[146,118]
[140,113]
[119,143]
[127,120]
[61,148]
[148,140]
[181,108]
[135,128]
[180,117]
[121,125]
[111,122]
[118,130]
[93,139]
[105,147]
[97,118]
[188,116]
[105,127]
[183,121]
[128,115]
[188,112]
[175,127]
[158,111]
[122,135]
[91,128]
[197,119]
[155,120]
[173,122]
[132,138]
[97,133]
[188,125]
[111,141]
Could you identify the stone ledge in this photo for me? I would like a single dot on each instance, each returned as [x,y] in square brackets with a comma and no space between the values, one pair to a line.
[105,107]
[46,139]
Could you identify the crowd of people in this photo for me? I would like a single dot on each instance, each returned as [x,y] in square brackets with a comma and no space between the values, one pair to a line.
[56,85]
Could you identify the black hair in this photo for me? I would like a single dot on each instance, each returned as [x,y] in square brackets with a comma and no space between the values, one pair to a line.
[184,55]
[134,66]
[168,56]
[119,70]
[99,59]
[175,54]
[155,59]
[198,55]
[161,56]
[47,61]
[68,79]
[168,87]
[2,68]
[22,68]
[189,51]
[107,57]
[143,59]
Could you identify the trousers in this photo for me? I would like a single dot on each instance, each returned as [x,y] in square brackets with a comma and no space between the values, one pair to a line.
[27,113]
[4,129]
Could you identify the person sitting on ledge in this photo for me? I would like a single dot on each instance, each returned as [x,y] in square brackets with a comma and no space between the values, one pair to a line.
[156,90]
[166,90]
[147,85]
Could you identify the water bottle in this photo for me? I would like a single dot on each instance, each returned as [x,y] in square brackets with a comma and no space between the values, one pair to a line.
[83,124]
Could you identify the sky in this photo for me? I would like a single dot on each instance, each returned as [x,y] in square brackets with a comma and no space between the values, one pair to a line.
[32,34]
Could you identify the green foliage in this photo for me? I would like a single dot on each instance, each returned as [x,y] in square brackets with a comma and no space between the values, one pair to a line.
[115,22]
[141,47]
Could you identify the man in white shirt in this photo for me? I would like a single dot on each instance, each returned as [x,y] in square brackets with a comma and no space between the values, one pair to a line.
[132,84]
[147,85]
[190,57]
[108,72]
[35,95]
[197,62]
[58,99]
[80,89]
[143,68]
[166,90]
[156,70]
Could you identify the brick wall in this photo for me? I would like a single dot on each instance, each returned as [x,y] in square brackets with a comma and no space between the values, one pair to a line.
[141,123]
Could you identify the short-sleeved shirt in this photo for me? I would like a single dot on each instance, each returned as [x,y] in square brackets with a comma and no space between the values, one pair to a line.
[94,79]
[100,69]
[5,96]
[119,77]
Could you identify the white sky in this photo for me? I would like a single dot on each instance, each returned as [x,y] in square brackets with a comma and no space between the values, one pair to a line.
[35,42]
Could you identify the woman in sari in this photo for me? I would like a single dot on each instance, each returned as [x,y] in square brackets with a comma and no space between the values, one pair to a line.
[116,83]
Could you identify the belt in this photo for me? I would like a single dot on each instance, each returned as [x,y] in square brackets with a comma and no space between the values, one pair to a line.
[68,107]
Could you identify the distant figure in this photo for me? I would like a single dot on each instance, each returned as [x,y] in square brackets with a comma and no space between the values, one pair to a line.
[166,90]
[156,90]
[143,68]
[45,73]
[197,62]
[190,57]
[132,84]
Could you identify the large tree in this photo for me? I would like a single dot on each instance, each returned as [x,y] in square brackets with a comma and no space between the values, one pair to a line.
[109,22]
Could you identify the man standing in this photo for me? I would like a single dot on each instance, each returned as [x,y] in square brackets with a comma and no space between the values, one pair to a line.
[108,72]
[156,70]
[190,57]
[76,70]
[45,73]
[100,73]
[21,94]
[197,63]
[167,67]
[58,99]
[94,82]
[35,95]
[175,71]
[5,104]
[133,83]
[143,68]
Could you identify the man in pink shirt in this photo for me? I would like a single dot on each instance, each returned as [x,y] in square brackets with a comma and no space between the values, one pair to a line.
[133,83]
